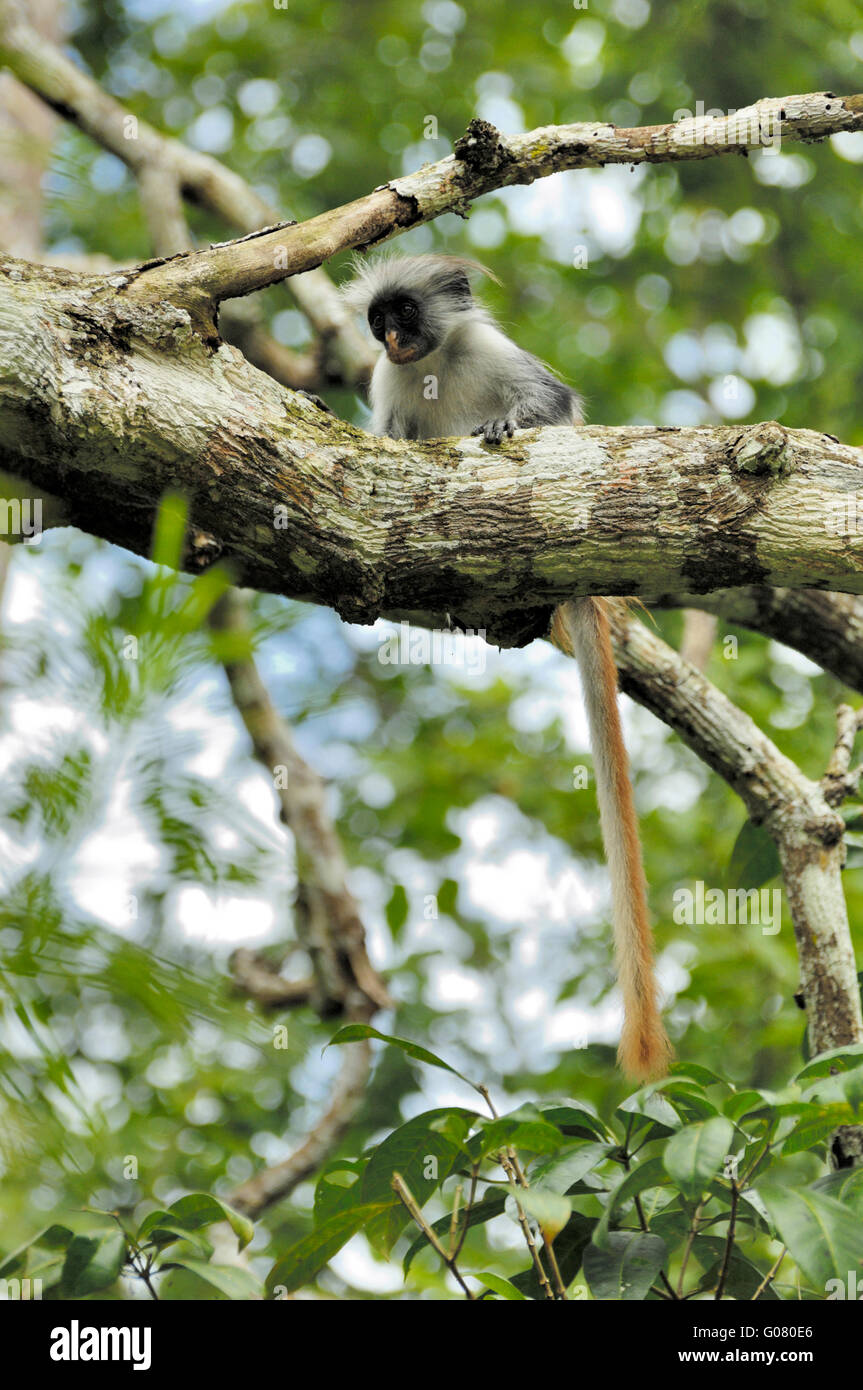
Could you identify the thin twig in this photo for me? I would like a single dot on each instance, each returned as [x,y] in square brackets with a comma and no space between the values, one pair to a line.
[770,1275]
[467,1211]
[506,1164]
[693,1232]
[729,1242]
[405,1195]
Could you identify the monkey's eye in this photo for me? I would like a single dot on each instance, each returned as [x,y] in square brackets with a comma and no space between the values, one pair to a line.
[408,310]
[377,322]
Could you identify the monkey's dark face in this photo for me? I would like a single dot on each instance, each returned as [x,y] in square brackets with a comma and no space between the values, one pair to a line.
[398,321]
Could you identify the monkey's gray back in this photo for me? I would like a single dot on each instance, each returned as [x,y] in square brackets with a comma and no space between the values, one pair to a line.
[477,376]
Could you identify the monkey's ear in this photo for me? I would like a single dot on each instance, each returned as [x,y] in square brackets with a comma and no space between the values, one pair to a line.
[455,282]
[471,267]
[359,291]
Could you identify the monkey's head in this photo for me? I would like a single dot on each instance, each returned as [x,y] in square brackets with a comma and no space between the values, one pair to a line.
[413,303]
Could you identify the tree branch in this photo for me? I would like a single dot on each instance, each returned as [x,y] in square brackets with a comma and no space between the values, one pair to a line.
[69,91]
[826,627]
[272,1184]
[108,405]
[328,920]
[484,160]
[806,828]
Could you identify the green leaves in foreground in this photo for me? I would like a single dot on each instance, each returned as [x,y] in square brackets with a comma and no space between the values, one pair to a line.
[690,1191]
[819,1231]
[87,1253]
[697,1153]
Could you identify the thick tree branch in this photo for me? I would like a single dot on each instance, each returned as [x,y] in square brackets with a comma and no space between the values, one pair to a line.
[108,405]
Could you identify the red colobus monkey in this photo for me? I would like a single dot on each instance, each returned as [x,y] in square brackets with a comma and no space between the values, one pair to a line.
[422,309]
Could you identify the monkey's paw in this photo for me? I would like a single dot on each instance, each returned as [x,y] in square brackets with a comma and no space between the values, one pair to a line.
[494,431]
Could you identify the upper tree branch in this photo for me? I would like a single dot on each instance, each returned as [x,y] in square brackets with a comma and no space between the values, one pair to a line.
[46,70]
[486,160]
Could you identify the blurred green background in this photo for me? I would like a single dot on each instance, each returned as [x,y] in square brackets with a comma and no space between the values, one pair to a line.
[725,289]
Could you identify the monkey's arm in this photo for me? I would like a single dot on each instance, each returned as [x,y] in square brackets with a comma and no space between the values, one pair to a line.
[535,396]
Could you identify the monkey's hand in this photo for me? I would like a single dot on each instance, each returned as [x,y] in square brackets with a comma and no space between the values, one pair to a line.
[494,431]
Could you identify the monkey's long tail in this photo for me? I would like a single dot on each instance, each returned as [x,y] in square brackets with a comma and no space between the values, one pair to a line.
[581,629]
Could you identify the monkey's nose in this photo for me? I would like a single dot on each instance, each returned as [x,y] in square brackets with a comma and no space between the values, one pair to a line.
[396,353]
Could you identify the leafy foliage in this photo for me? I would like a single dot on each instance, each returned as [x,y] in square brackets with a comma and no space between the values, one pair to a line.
[125,820]
[90,1254]
[668,1206]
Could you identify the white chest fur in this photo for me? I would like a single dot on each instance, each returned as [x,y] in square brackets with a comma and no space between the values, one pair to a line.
[450,392]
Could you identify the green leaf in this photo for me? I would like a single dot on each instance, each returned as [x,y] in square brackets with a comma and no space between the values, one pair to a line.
[447,896]
[503,1287]
[852,1085]
[573,1117]
[826,1063]
[650,1173]
[690,1097]
[49,1271]
[695,1154]
[161,1228]
[652,1106]
[356,1032]
[673,1226]
[397,910]
[742,1103]
[692,1071]
[200,1209]
[335,1188]
[817,1231]
[626,1266]
[562,1172]
[231,1282]
[308,1257]
[525,1129]
[93,1262]
[754,858]
[54,1237]
[817,1124]
[846,1186]
[550,1210]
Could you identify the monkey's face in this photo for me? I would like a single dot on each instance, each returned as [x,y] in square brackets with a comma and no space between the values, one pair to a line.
[399,323]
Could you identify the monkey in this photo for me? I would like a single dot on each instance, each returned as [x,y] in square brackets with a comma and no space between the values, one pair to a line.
[423,311]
